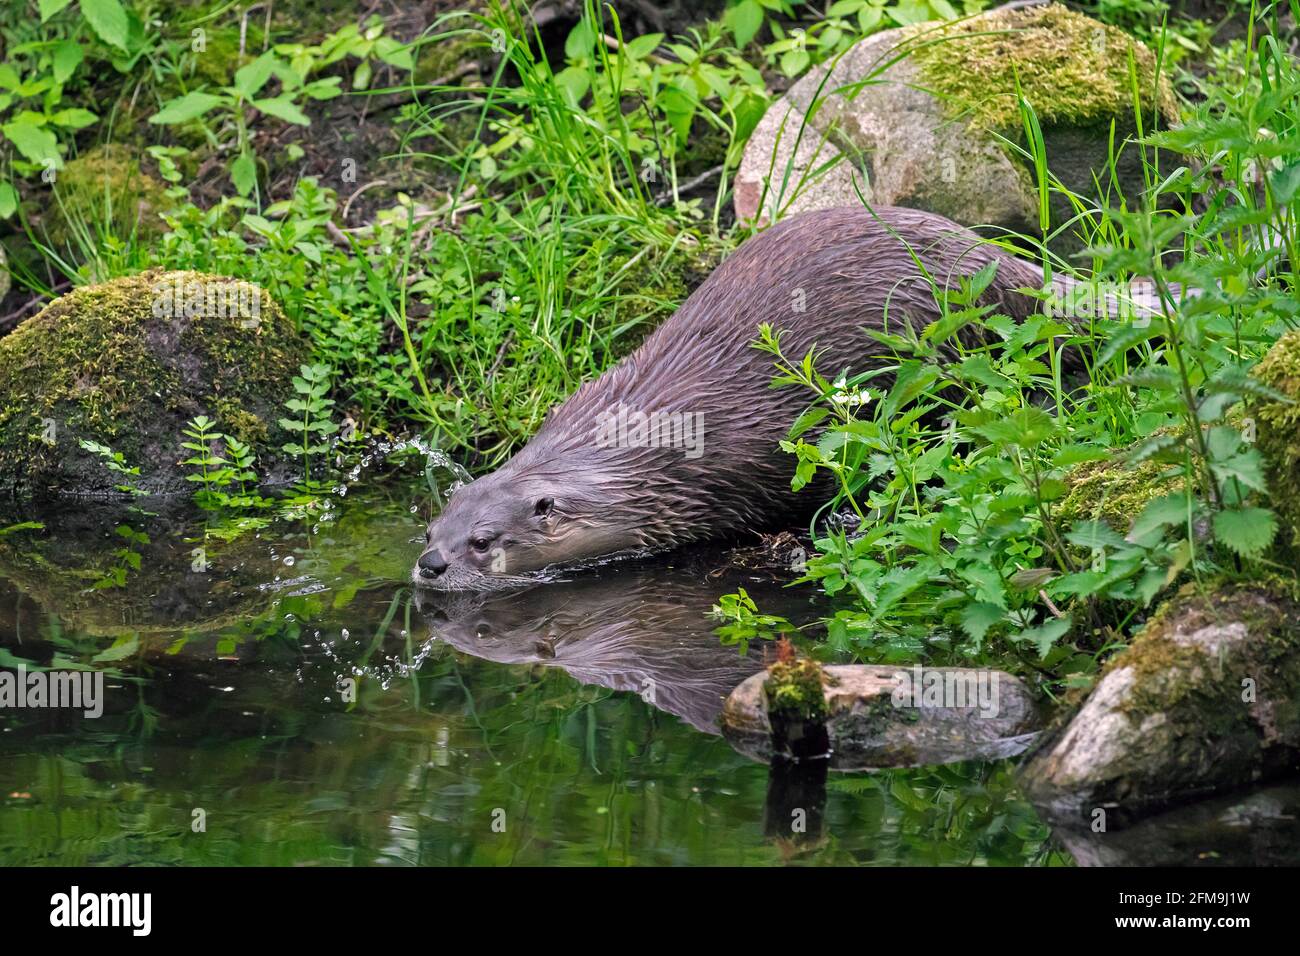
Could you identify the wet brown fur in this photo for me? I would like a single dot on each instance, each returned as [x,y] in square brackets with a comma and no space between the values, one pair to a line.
[856,268]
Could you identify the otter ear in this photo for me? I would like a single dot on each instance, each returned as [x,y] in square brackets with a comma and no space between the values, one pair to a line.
[543,507]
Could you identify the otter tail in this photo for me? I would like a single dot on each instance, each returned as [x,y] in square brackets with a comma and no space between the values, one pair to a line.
[1079,301]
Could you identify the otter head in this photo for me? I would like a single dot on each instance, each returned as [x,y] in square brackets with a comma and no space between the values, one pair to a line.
[498,531]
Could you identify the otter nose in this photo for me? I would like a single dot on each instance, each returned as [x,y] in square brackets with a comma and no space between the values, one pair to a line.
[431,564]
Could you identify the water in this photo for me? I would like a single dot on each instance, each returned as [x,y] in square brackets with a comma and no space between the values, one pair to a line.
[285,699]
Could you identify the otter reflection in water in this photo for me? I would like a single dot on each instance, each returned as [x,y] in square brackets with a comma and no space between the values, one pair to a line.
[644,630]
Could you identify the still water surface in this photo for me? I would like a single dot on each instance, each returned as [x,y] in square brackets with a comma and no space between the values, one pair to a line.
[571,724]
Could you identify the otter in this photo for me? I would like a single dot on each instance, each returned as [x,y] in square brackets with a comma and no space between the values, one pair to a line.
[598,480]
[646,630]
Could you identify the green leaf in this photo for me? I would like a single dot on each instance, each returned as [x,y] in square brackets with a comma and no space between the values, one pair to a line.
[1077,454]
[794,62]
[640,47]
[185,108]
[745,20]
[243,173]
[361,75]
[580,40]
[978,616]
[1247,468]
[1124,338]
[253,76]
[22,526]
[1160,513]
[1094,535]
[1027,428]
[50,7]
[394,53]
[74,118]
[67,57]
[123,647]
[281,107]
[8,200]
[1246,531]
[1045,635]
[108,19]
[1285,183]
[34,142]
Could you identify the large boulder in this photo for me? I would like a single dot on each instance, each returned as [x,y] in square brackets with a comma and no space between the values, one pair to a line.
[927,116]
[1206,699]
[881,716]
[127,364]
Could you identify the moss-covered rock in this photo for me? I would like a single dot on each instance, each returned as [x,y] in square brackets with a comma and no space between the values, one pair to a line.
[1114,491]
[104,190]
[1071,68]
[127,364]
[927,116]
[1278,427]
[1206,699]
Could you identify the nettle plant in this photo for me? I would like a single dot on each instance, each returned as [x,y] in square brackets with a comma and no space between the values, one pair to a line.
[953,464]
[35,118]
[699,75]
[832,31]
[292,67]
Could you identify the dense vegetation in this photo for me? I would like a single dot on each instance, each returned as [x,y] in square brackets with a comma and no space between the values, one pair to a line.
[470,216]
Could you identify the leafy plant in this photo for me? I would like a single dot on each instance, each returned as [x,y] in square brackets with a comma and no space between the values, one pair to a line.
[312,422]
[127,558]
[115,462]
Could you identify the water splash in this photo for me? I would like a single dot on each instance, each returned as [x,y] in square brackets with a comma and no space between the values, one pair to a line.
[380,451]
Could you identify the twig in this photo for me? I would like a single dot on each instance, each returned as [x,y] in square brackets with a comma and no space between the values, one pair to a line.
[17,314]
[654,58]
[348,205]
[693,183]
[501,354]
[1056,611]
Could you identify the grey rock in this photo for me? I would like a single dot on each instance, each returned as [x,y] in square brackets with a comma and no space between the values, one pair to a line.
[881,716]
[1206,700]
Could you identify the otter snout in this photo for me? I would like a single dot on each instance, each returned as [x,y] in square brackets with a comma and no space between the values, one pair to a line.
[431,564]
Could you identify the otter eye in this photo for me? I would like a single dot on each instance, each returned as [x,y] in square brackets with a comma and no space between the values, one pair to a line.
[543,507]
[479,543]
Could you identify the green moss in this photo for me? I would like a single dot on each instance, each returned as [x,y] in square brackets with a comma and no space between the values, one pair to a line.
[1278,428]
[794,690]
[112,363]
[1189,686]
[1074,70]
[1113,492]
[104,190]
